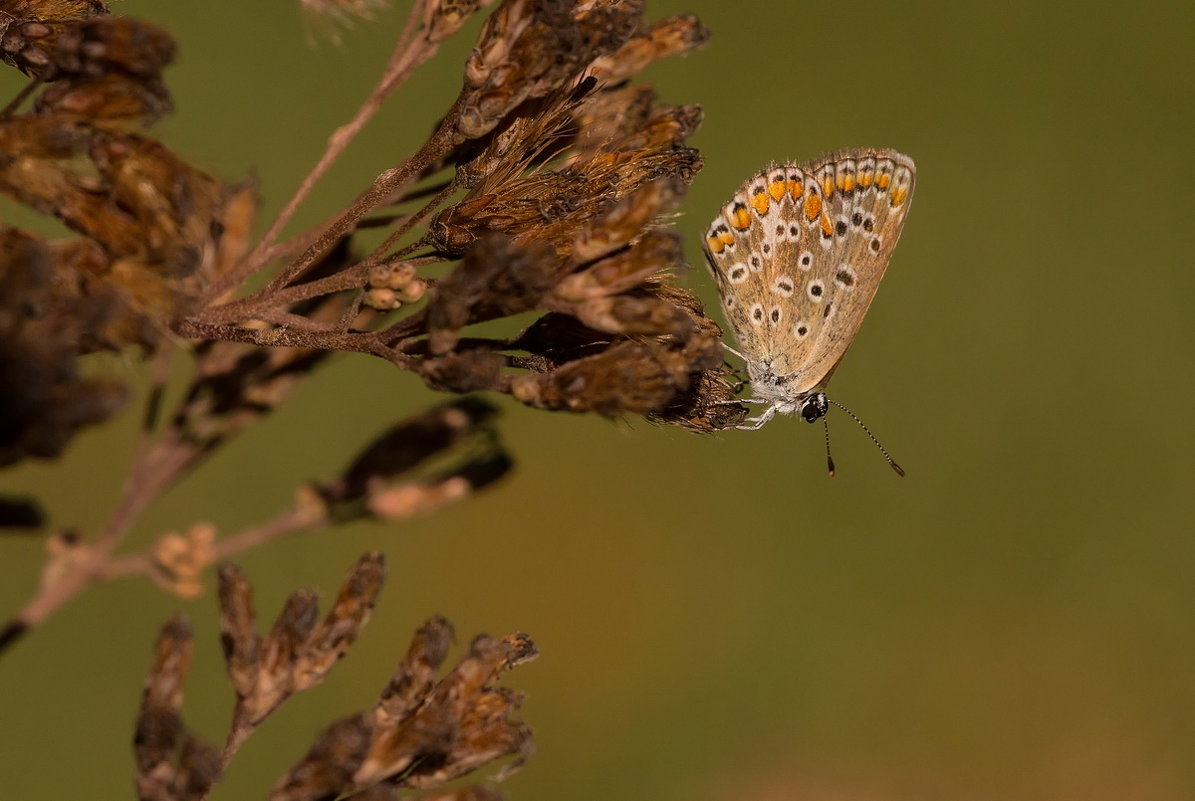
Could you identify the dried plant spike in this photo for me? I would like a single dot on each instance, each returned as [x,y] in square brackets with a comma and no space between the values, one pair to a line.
[279,654]
[238,630]
[331,639]
[416,674]
[172,763]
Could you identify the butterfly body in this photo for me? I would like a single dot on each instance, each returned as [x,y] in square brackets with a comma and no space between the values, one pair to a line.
[798,254]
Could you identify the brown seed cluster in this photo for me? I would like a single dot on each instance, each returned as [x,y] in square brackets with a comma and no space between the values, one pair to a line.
[422,732]
[152,229]
[560,174]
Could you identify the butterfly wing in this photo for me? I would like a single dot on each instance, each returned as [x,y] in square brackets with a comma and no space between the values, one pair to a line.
[798,254]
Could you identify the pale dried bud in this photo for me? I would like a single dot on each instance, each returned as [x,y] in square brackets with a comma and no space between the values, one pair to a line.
[381,299]
[391,276]
[178,560]
[413,291]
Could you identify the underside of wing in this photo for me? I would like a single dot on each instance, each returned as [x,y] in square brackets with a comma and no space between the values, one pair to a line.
[798,254]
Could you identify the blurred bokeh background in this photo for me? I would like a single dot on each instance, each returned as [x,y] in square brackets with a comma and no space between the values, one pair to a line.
[717,618]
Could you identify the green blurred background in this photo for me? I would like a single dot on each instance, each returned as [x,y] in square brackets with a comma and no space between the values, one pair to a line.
[717,618]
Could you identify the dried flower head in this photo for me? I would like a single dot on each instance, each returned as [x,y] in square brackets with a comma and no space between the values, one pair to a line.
[422,732]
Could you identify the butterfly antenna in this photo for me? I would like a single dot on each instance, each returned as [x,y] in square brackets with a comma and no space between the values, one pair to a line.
[891,462]
[829,458]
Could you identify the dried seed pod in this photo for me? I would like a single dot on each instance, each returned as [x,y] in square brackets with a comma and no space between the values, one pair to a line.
[466,371]
[626,378]
[668,37]
[625,314]
[106,44]
[494,279]
[109,98]
[622,271]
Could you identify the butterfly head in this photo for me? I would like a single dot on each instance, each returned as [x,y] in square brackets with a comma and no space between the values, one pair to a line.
[814,407]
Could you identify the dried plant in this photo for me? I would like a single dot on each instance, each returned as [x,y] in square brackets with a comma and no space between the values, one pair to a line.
[545,187]
[421,733]
[559,175]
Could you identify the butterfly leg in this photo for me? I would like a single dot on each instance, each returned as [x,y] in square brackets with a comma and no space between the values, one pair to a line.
[737,401]
[756,423]
[735,352]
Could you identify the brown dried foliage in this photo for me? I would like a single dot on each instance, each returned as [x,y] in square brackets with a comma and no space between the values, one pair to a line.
[422,732]
[543,189]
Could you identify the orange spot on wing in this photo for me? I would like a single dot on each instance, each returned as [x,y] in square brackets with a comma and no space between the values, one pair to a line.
[759,202]
[846,181]
[828,185]
[827,226]
[899,195]
[715,244]
[740,218]
[813,206]
[726,237]
[795,189]
[883,179]
[776,190]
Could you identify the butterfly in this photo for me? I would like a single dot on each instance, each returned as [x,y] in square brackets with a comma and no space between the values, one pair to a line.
[797,255]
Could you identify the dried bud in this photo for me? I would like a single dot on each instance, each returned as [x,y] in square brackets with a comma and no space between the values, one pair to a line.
[382,299]
[413,291]
[178,560]
[391,276]
[442,18]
